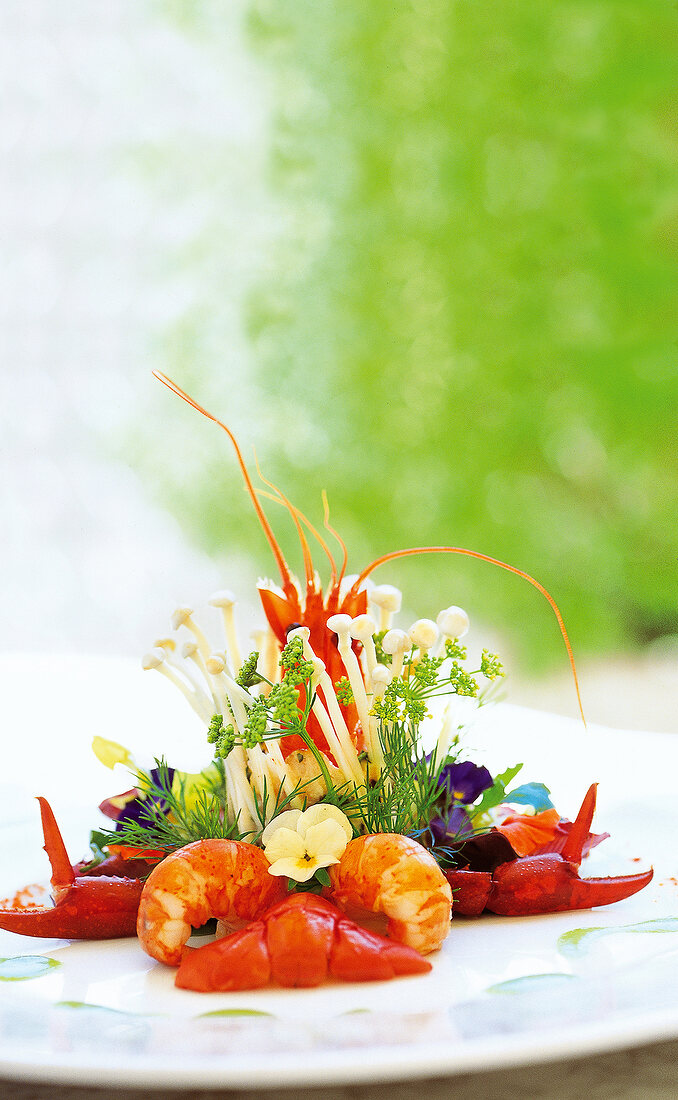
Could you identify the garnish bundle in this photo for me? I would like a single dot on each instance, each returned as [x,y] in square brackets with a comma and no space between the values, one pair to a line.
[319,784]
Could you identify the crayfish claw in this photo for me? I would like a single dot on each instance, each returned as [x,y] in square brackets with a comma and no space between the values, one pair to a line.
[589,892]
[551,884]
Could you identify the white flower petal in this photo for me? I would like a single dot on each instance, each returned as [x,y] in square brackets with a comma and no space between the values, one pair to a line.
[324,812]
[285,844]
[297,869]
[326,842]
[286,820]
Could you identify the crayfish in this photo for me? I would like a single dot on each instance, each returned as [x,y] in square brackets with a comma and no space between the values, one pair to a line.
[545,882]
[86,907]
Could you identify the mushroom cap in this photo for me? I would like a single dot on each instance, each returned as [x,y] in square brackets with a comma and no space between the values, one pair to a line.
[381,675]
[363,627]
[424,633]
[396,641]
[153,659]
[302,632]
[181,616]
[215,664]
[340,624]
[453,621]
[188,649]
[167,644]
[223,598]
[387,597]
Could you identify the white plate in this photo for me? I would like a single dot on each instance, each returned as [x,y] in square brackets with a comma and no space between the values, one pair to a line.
[502,991]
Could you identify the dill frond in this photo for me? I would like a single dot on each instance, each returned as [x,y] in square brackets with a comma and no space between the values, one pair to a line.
[166,819]
[402,798]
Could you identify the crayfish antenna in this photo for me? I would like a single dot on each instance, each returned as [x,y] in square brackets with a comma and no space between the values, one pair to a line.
[313,530]
[328,527]
[288,583]
[62,869]
[414,550]
[309,571]
[573,847]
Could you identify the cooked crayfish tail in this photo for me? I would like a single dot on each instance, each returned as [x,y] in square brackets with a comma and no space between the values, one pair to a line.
[361,956]
[590,892]
[573,848]
[62,869]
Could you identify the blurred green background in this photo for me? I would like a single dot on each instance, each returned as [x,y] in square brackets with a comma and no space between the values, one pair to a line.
[461,319]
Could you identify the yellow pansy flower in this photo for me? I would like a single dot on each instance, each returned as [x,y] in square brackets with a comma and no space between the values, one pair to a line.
[298,843]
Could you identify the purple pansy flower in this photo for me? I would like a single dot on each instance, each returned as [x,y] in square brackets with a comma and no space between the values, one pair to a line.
[464,782]
[130,805]
[137,809]
[455,825]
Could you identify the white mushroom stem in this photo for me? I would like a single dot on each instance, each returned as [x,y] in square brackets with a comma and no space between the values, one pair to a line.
[363,628]
[446,732]
[258,642]
[168,646]
[198,700]
[342,625]
[276,763]
[183,616]
[348,755]
[230,793]
[348,763]
[257,765]
[424,634]
[396,643]
[272,779]
[381,678]
[225,600]
[453,623]
[350,774]
[243,798]
[190,652]
[270,665]
[389,601]
[228,689]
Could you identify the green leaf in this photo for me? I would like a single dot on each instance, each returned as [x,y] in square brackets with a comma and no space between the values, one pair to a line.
[494,796]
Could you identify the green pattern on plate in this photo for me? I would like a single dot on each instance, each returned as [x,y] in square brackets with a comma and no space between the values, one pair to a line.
[21,968]
[579,940]
[99,1008]
[234,1012]
[530,983]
